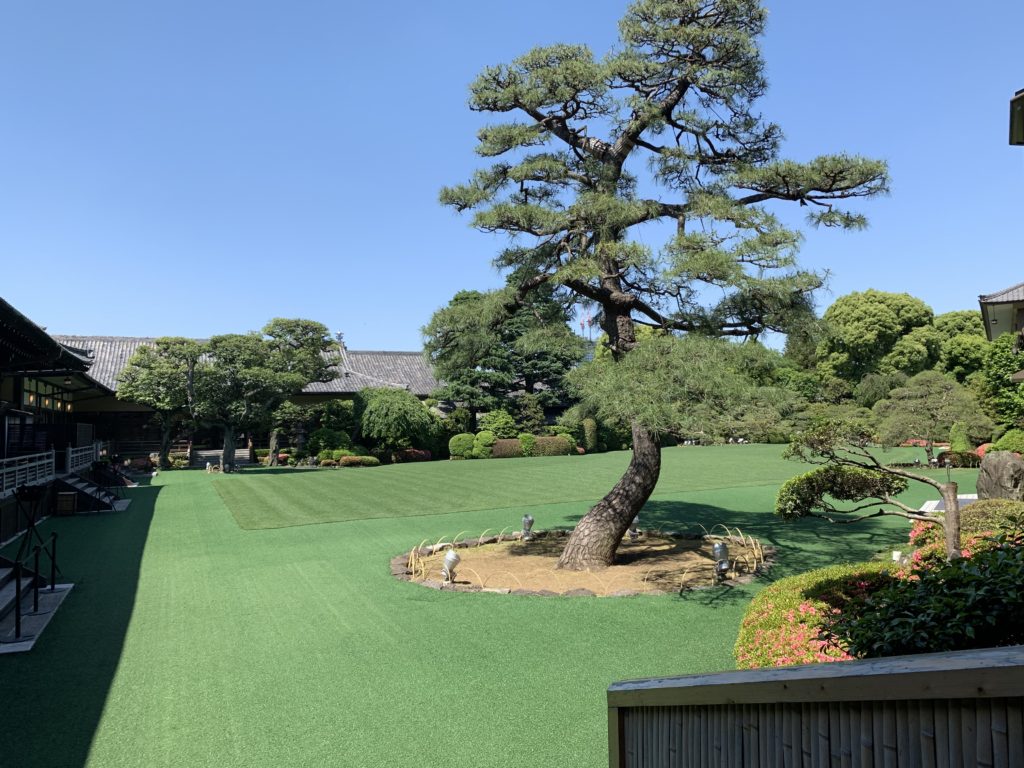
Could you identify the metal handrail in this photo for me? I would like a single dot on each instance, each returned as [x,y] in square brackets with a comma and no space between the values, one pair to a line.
[19,565]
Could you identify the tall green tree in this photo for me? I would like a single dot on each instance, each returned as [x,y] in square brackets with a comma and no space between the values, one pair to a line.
[488,350]
[242,379]
[877,332]
[926,407]
[1002,395]
[157,376]
[567,182]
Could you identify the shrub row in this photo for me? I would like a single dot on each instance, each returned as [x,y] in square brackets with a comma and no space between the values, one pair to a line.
[1012,441]
[485,445]
[959,459]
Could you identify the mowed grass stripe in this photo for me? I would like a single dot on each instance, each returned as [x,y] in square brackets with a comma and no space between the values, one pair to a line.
[283,498]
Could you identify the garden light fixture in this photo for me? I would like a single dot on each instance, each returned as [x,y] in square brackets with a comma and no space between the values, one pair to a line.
[527,527]
[451,559]
[720,551]
[634,532]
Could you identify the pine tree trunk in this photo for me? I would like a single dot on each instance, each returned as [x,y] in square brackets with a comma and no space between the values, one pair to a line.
[597,535]
[166,426]
[227,456]
[951,523]
[272,456]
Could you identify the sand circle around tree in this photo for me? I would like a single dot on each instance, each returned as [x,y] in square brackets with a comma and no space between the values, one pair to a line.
[651,563]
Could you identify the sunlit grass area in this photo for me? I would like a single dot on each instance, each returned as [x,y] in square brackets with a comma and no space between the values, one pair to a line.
[215,623]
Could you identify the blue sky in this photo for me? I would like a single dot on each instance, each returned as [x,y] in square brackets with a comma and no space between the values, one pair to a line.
[194,168]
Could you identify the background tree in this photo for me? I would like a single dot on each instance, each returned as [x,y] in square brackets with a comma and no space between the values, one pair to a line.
[877,332]
[156,376]
[242,379]
[486,353]
[1003,397]
[963,344]
[851,471]
[676,96]
[393,419]
[926,407]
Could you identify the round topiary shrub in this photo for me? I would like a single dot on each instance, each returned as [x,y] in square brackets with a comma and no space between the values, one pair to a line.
[783,622]
[1012,441]
[482,444]
[990,515]
[556,445]
[461,445]
[528,444]
[328,463]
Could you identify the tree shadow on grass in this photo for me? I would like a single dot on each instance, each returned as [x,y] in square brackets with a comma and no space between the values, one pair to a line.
[799,546]
[57,691]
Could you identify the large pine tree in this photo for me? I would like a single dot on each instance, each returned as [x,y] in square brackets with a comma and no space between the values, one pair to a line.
[662,129]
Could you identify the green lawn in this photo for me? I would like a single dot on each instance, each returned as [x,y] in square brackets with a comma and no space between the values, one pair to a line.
[214,625]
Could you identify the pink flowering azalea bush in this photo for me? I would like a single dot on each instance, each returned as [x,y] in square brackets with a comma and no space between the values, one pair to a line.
[783,625]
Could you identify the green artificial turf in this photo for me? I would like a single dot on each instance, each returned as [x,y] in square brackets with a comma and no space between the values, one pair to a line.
[190,640]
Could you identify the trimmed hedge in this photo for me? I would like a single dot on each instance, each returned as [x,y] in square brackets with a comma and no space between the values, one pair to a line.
[959,459]
[407,455]
[556,445]
[590,435]
[461,446]
[328,463]
[528,444]
[783,623]
[507,449]
[359,461]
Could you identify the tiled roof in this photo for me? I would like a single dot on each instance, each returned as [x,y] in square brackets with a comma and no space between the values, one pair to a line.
[1011,295]
[402,370]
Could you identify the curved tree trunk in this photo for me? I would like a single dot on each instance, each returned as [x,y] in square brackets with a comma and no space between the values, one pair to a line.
[272,456]
[597,535]
[166,427]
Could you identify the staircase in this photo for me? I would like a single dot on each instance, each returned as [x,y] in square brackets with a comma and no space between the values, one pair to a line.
[94,498]
[34,616]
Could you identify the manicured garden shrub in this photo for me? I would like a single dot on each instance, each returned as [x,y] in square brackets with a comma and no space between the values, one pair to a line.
[325,439]
[459,421]
[328,463]
[590,435]
[500,423]
[958,459]
[971,602]
[359,461]
[982,449]
[461,446]
[407,455]
[262,453]
[1012,441]
[990,515]
[555,445]
[178,460]
[959,441]
[507,449]
[783,622]
[528,444]
[341,452]
[482,444]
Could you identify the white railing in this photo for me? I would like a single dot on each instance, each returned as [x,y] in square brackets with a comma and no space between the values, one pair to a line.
[26,470]
[80,458]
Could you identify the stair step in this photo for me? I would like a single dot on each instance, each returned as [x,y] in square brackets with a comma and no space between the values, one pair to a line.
[9,592]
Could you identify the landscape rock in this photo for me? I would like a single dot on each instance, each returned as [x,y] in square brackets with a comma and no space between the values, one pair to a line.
[1001,476]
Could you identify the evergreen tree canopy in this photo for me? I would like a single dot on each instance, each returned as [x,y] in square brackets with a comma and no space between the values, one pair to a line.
[662,129]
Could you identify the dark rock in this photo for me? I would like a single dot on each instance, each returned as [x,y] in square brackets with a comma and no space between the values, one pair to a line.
[1001,476]
[579,593]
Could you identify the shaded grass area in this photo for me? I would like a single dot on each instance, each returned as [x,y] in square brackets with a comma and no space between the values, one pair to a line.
[220,646]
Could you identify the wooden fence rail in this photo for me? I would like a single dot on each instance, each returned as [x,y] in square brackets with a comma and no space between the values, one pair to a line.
[942,709]
[25,470]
